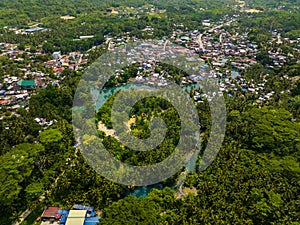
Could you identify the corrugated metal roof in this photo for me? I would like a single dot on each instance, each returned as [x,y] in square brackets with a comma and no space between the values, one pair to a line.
[34,29]
[83,207]
[51,212]
[27,83]
[76,217]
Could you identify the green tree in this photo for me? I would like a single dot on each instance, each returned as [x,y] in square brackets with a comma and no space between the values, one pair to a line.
[15,168]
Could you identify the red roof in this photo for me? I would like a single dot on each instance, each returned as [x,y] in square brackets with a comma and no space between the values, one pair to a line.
[58,69]
[50,63]
[4,102]
[51,212]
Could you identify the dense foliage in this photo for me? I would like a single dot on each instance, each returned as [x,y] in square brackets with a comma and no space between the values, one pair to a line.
[254,180]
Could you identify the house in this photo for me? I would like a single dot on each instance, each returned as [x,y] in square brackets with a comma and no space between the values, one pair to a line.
[14,107]
[4,102]
[67,17]
[34,30]
[59,70]
[86,37]
[51,213]
[112,11]
[185,38]
[26,84]
[56,55]
[89,209]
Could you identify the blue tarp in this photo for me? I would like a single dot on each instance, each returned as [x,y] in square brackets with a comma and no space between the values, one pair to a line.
[2,92]
[91,221]
[63,219]
[63,212]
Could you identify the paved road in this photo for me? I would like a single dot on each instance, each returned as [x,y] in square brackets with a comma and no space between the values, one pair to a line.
[200,42]
[23,216]
[279,41]
[165,45]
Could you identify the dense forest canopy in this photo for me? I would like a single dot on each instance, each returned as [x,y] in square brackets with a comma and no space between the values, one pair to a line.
[17,12]
[274,4]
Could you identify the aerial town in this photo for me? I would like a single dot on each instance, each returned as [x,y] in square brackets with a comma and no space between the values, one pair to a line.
[227,54]
[238,160]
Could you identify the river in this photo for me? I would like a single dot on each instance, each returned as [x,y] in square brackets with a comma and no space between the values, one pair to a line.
[140,192]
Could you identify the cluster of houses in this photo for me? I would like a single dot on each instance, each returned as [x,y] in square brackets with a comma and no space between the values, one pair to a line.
[32,30]
[220,47]
[279,57]
[8,49]
[149,55]
[17,88]
[134,12]
[73,61]
[224,54]
[15,91]
[78,215]
[147,75]
[43,122]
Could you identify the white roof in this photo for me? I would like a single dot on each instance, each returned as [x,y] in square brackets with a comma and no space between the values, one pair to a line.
[76,217]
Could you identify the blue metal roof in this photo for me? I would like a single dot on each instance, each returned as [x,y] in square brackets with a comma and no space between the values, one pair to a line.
[83,207]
